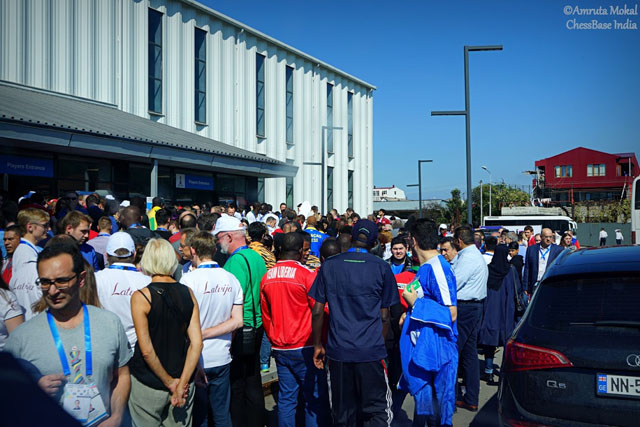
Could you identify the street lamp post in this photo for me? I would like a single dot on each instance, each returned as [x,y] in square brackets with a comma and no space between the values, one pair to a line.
[467,114]
[481,217]
[489,172]
[420,162]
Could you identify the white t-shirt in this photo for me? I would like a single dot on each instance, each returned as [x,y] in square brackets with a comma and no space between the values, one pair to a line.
[216,291]
[619,236]
[487,256]
[543,257]
[603,234]
[23,278]
[9,308]
[116,284]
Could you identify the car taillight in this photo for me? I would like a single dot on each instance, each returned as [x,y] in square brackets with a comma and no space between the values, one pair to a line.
[523,357]
[518,423]
[633,237]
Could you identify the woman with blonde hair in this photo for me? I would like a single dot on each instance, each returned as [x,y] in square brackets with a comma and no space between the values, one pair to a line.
[167,322]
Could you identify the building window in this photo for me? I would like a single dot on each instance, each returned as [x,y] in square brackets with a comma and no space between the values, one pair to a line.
[289,190]
[155,61]
[200,55]
[350,190]
[260,192]
[329,118]
[350,123]
[289,101]
[596,170]
[260,94]
[329,189]
[564,171]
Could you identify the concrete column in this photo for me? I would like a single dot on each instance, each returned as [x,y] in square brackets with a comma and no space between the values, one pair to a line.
[154,179]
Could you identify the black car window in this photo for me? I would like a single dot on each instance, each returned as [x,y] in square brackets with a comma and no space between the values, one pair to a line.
[597,305]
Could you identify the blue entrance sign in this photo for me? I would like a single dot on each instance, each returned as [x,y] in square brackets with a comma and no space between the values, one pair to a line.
[197,182]
[14,165]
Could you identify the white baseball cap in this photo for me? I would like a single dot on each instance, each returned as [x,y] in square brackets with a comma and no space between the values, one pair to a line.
[120,240]
[443,226]
[227,223]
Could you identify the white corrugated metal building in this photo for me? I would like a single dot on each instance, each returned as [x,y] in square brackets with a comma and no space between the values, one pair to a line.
[175,99]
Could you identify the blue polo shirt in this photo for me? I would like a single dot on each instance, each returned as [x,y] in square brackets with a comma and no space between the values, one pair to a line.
[356,285]
[317,237]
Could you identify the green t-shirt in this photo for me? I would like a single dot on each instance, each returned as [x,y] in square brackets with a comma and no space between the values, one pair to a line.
[237,266]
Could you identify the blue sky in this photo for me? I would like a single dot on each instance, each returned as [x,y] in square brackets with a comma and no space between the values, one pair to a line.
[550,90]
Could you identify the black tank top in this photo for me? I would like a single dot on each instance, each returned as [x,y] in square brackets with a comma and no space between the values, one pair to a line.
[168,333]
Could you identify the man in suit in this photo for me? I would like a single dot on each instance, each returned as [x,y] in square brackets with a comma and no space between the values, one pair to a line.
[538,257]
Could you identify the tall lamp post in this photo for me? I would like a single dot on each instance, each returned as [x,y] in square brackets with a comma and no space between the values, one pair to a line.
[489,172]
[467,113]
[420,162]
[481,214]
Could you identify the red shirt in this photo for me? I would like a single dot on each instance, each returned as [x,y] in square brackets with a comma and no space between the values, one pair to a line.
[286,307]
[175,237]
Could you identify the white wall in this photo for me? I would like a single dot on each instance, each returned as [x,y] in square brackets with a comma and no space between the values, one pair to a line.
[97,49]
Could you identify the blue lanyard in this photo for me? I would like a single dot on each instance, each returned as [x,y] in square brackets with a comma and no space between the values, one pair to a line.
[136,225]
[239,249]
[544,254]
[357,250]
[60,348]
[104,234]
[26,242]
[208,266]
[122,267]
[161,228]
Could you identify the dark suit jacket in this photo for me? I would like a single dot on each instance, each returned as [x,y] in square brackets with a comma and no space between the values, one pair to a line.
[530,273]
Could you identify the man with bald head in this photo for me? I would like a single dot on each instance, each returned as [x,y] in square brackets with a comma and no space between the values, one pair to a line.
[538,258]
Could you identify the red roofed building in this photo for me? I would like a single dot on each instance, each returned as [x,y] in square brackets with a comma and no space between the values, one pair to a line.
[583,174]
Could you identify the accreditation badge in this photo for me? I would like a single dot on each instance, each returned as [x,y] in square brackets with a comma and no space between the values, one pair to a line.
[76,401]
[97,411]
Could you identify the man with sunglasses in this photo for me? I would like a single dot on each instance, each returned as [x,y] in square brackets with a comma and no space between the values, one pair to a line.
[81,351]
[34,224]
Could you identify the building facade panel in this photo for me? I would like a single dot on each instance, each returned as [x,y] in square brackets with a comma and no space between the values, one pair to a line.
[99,50]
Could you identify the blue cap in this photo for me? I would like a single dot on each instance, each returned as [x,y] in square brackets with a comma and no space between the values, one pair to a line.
[366,227]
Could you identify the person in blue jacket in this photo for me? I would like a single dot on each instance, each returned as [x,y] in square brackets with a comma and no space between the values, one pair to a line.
[428,343]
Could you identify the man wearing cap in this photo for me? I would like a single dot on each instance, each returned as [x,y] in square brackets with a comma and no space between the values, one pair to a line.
[359,288]
[317,237]
[247,398]
[120,280]
[443,230]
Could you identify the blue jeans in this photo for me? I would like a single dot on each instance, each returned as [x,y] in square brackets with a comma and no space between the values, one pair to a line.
[265,350]
[219,393]
[296,370]
[469,319]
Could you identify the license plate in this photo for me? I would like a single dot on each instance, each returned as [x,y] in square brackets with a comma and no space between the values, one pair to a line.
[618,385]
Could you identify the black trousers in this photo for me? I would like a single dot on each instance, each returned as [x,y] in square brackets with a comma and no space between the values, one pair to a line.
[360,394]
[247,398]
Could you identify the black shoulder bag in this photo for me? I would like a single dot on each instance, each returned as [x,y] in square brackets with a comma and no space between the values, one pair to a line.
[244,341]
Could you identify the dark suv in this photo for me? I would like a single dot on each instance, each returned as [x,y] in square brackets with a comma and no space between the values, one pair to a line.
[574,359]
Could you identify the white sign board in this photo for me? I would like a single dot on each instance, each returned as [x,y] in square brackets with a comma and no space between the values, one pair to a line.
[180,180]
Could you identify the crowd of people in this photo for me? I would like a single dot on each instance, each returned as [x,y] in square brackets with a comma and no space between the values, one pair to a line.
[168,316]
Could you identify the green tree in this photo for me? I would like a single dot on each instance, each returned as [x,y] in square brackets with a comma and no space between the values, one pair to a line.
[502,195]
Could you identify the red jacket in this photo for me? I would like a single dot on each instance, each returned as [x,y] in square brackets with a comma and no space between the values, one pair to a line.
[286,307]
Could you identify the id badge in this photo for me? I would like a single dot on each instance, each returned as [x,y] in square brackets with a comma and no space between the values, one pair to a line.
[76,401]
[97,411]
